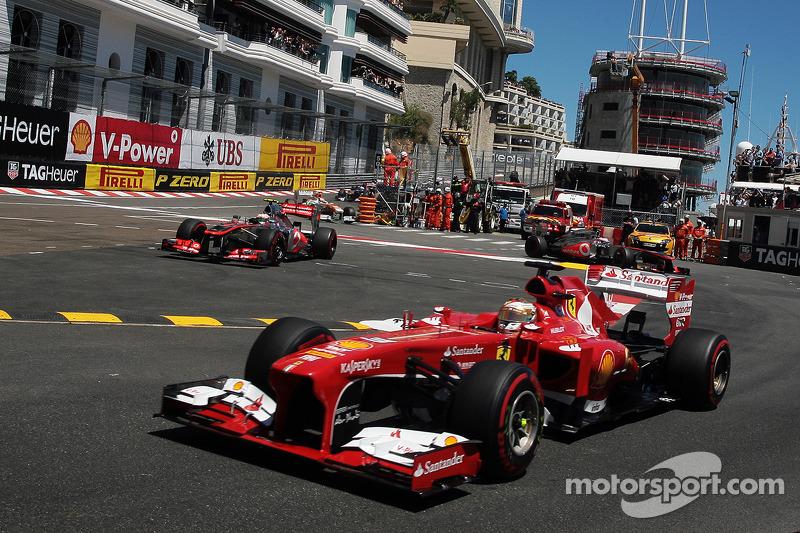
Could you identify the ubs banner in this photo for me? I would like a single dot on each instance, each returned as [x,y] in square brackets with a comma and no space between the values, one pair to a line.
[29,131]
[760,257]
[34,174]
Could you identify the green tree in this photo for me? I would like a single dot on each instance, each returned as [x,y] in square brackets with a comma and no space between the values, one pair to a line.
[461,110]
[449,6]
[417,122]
[511,76]
[532,86]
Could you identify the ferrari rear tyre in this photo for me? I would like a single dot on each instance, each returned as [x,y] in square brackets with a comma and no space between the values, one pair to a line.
[272,241]
[498,403]
[281,338]
[698,367]
[535,246]
[323,243]
[624,257]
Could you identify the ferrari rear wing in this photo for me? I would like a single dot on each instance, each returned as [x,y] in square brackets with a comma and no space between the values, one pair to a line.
[624,288]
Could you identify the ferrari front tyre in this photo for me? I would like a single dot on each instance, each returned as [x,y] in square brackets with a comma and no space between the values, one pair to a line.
[323,243]
[698,367]
[498,403]
[283,337]
[271,240]
[535,246]
[624,257]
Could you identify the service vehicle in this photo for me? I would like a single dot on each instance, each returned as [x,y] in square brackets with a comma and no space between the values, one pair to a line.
[548,218]
[655,236]
[587,207]
[441,400]
[513,196]
[267,239]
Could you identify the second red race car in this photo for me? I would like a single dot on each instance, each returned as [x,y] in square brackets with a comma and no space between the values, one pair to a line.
[267,239]
[438,401]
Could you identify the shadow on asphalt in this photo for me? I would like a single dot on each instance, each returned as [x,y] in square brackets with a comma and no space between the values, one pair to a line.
[306,469]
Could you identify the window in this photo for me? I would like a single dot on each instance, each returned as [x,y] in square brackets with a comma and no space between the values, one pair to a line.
[508,9]
[151,97]
[610,106]
[734,229]
[222,87]
[21,81]
[322,54]
[608,134]
[180,101]
[287,119]
[350,23]
[327,10]
[244,114]
[306,122]
[347,68]
[66,83]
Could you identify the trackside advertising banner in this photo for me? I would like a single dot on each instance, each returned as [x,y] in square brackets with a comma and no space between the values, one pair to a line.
[294,156]
[274,181]
[219,151]
[182,181]
[761,257]
[232,182]
[126,142]
[309,182]
[34,174]
[29,131]
[118,178]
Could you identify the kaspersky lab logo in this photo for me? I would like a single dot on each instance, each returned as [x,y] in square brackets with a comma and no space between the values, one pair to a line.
[692,475]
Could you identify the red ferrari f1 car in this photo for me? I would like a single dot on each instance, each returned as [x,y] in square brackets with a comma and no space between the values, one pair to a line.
[454,395]
[267,239]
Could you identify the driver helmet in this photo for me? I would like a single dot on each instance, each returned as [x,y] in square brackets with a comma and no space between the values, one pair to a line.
[514,313]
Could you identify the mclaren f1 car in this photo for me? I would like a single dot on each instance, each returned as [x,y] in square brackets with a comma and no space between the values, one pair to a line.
[266,239]
[438,401]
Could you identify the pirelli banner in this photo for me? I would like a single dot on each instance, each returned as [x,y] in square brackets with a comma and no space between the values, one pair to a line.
[119,178]
[293,156]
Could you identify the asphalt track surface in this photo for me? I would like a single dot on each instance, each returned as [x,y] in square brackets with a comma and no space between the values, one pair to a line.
[81,451]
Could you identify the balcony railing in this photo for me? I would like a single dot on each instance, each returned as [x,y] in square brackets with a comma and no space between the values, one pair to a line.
[664,115]
[295,46]
[678,146]
[380,44]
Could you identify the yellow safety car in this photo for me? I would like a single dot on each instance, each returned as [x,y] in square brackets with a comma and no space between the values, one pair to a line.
[655,236]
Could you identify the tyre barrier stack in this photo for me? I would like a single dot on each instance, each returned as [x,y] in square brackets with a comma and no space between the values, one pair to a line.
[711,254]
[366,209]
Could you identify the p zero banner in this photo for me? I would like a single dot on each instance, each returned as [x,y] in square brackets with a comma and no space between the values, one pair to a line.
[294,156]
[761,257]
[28,173]
[28,131]
[123,142]
[274,181]
[182,180]
[117,178]
[219,151]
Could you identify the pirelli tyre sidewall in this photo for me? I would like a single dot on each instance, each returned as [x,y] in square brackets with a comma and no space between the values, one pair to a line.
[498,403]
[624,257]
[283,337]
[194,230]
[323,243]
[535,246]
[698,368]
[274,243]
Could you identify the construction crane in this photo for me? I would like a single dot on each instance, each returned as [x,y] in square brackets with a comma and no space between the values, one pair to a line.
[637,81]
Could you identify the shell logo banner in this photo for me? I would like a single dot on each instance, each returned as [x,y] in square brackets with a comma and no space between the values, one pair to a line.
[294,156]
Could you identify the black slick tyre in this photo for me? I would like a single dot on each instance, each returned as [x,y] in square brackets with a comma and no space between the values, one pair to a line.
[323,244]
[698,368]
[623,257]
[271,240]
[193,229]
[535,246]
[283,337]
[498,403]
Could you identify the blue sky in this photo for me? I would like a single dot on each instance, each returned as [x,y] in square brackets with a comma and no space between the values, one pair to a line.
[567,34]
